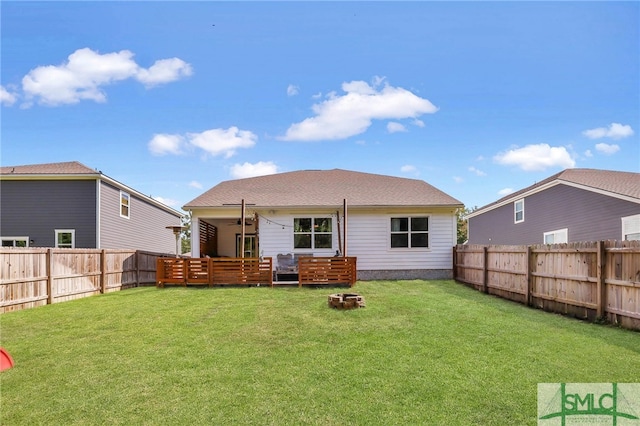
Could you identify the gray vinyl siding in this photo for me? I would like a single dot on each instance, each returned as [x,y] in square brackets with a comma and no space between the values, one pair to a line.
[35,209]
[145,229]
[587,215]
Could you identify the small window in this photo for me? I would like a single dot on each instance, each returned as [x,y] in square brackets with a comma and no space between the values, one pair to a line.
[409,232]
[313,233]
[631,228]
[124,204]
[65,238]
[518,211]
[15,241]
[556,237]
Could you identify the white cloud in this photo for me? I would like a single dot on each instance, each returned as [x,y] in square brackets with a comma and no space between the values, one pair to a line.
[418,123]
[261,168]
[195,184]
[458,179]
[7,98]
[614,131]
[167,201]
[607,148]
[216,142]
[588,153]
[85,72]
[162,144]
[477,171]
[408,168]
[393,127]
[536,157]
[292,90]
[222,141]
[340,117]
[505,191]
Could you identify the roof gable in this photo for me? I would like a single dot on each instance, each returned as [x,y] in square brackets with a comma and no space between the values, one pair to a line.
[625,185]
[324,188]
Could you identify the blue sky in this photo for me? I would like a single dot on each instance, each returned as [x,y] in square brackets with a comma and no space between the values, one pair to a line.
[171,98]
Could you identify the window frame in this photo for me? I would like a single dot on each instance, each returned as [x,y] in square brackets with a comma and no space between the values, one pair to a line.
[631,226]
[516,210]
[409,232]
[313,233]
[127,206]
[562,232]
[14,240]
[65,231]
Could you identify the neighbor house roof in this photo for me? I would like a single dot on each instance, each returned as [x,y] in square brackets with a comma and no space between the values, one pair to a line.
[324,188]
[71,170]
[624,185]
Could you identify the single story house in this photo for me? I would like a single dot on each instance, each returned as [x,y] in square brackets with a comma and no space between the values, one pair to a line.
[570,206]
[397,228]
[70,205]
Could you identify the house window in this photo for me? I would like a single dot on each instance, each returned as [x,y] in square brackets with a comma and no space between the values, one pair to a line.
[124,204]
[15,241]
[312,233]
[409,232]
[556,237]
[518,211]
[631,228]
[65,238]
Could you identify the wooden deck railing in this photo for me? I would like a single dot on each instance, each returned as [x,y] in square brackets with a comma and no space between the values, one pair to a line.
[252,271]
[214,271]
[327,270]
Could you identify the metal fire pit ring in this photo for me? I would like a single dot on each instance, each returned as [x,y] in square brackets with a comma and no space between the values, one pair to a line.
[346,301]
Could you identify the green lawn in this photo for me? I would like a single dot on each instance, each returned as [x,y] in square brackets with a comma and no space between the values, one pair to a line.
[421,352]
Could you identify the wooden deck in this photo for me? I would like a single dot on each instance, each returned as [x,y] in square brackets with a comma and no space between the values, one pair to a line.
[312,271]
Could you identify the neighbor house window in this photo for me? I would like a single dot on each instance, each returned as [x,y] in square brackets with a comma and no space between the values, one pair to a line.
[631,228]
[518,211]
[15,241]
[65,238]
[409,232]
[124,204]
[556,237]
[312,233]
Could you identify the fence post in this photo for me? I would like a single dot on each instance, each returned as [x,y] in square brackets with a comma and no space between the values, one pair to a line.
[103,271]
[601,287]
[529,277]
[455,262]
[49,277]
[485,272]
[137,261]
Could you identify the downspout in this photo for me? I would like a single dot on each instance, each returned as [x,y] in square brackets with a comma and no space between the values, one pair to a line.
[344,207]
[98,215]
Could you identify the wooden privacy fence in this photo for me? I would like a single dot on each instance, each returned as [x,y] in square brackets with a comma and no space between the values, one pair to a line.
[590,280]
[252,271]
[33,277]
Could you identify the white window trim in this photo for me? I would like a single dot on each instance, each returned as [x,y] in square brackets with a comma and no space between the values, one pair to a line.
[313,234]
[66,231]
[630,225]
[122,205]
[560,232]
[14,239]
[515,211]
[389,233]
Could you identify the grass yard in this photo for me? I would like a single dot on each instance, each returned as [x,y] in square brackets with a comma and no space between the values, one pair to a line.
[421,352]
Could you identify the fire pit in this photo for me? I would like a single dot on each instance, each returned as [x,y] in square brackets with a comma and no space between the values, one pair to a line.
[346,301]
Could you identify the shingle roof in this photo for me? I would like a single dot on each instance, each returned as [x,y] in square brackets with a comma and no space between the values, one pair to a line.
[626,184]
[324,188]
[66,168]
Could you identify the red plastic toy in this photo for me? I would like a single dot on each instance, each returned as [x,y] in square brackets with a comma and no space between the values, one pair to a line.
[6,361]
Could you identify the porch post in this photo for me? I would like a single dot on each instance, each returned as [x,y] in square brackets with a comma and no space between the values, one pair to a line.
[195,237]
[243,231]
[344,207]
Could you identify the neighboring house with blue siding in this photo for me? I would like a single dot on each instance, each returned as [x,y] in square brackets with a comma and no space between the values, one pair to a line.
[70,205]
[570,206]
[396,227]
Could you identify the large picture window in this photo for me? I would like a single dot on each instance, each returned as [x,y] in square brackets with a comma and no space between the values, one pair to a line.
[125,200]
[312,233]
[559,236]
[409,232]
[65,238]
[631,228]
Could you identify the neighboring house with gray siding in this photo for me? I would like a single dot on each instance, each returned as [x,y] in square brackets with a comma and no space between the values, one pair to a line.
[570,206]
[396,227]
[70,205]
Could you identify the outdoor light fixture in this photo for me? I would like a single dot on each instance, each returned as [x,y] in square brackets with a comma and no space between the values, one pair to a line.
[176,231]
